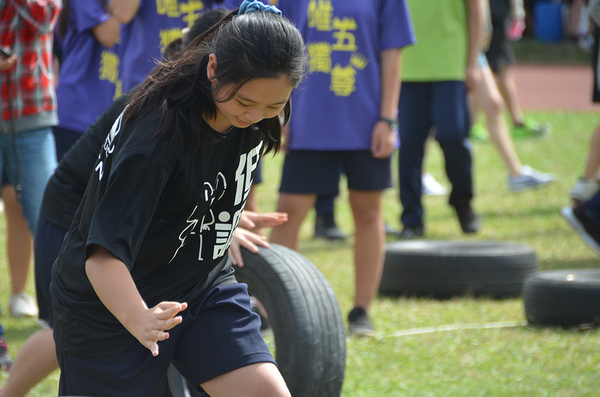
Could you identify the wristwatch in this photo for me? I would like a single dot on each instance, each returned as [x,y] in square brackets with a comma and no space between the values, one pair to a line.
[392,122]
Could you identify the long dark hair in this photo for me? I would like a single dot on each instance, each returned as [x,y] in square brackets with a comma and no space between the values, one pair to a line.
[64,19]
[250,46]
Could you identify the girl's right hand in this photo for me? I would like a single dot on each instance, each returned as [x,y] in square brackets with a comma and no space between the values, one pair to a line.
[150,326]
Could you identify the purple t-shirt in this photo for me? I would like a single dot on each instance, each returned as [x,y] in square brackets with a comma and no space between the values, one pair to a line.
[154,27]
[337,106]
[89,74]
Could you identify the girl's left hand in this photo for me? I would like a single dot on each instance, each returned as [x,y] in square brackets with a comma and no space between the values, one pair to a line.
[382,140]
[247,239]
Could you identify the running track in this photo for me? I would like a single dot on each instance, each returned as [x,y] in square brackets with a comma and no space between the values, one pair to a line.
[555,87]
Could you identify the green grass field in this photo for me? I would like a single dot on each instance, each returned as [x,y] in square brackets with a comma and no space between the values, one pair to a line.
[513,361]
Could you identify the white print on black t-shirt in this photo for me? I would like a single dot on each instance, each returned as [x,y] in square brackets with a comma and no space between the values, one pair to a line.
[219,227]
[243,174]
[109,145]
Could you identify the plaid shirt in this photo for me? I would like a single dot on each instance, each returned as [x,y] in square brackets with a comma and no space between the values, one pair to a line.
[26,28]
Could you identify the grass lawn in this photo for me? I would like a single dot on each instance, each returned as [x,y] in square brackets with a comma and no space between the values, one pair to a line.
[516,360]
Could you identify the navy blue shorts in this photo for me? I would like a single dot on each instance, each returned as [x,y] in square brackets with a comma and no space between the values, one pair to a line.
[319,172]
[64,139]
[218,334]
[47,243]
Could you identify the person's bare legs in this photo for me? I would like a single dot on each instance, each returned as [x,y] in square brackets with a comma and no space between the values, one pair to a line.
[592,164]
[368,246]
[19,241]
[487,97]
[507,86]
[34,362]
[256,380]
[296,206]
[574,18]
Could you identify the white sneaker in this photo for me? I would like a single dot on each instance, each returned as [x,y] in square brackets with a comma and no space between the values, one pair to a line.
[22,305]
[431,187]
[529,179]
[584,189]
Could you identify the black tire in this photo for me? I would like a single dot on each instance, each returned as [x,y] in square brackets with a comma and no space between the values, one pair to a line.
[310,341]
[444,269]
[565,298]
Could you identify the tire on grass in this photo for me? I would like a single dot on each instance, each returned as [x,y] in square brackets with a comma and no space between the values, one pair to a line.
[303,312]
[444,269]
[565,298]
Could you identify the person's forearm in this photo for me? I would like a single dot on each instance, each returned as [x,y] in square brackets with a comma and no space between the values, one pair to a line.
[390,82]
[475,14]
[517,10]
[40,15]
[124,10]
[113,284]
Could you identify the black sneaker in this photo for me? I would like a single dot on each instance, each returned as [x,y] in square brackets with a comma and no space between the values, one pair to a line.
[409,232]
[325,227]
[5,361]
[583,224]
[469,221]
[359,323]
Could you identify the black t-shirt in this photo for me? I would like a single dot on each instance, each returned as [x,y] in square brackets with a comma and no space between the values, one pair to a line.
[168,215]
[66,186]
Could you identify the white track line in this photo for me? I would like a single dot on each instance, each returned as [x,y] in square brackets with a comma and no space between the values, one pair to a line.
[457,327]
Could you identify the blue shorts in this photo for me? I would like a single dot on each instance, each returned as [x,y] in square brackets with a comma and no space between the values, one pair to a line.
[318,172]
[46,244]
[218,334]
[36,157]
[64,140]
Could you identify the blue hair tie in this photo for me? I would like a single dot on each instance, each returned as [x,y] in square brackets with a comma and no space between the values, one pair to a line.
[249,6]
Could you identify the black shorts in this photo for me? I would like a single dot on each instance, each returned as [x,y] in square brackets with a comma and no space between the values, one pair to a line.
[218,335]
[500,53]
[318,172]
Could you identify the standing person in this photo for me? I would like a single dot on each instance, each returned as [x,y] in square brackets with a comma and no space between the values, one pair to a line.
[89,74]
[343,122]
[28,99]
[144,265]
[28,105]
[501,58]
[37,357]
[437,72]
[586,186]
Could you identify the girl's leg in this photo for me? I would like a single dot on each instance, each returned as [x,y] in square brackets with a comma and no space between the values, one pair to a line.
[296,206]
[592,164]
[255,380]
[19,242]
[487,97]
[369,244]
[508,88]
[34,362]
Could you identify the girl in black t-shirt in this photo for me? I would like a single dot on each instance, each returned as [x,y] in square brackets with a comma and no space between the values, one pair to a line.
[144,264]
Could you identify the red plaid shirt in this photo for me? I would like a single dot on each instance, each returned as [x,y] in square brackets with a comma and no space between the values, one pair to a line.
[26,28]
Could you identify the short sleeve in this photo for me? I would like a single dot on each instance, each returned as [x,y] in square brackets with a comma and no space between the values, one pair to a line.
[127,206]
[88,14]
[396,28]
